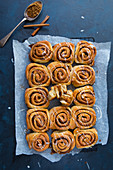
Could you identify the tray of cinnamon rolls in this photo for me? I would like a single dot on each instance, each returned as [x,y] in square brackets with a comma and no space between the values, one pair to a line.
[60,97]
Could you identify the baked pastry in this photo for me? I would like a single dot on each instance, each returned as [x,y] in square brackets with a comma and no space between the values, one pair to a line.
[60,91]
[85,53]
[83,75]
[37,120]
[64,52]
[38,141]
[61,118]
[57,91]
[41,52]
[85,138]
[83,117]
[37,75]
[36,97]
[62,142]
[67,98]
[84,96]
[60,73]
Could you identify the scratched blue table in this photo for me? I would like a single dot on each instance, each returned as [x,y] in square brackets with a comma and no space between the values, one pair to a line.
[70,18]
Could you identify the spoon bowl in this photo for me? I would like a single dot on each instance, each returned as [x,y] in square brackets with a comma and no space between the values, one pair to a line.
[25,12]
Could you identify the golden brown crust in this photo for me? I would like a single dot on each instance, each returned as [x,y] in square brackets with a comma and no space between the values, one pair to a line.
[38,141]
[67,98]
[84,96]
[61,118]
[85,53]
[83,75]
[52,93]
[85,138]
[37,75]
[37,97]
[62,142]
[64,52]
[60,73]
[37,120]
[41,52]
[83,117]
[60,91]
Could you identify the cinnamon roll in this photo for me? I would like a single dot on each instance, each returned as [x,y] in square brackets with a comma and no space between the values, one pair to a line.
[41,52]
[67,98]
[83,75]
[84,96]
[37,120]
[37,75]
[38,141]
[85,53]
[64,52]
[60,91]
[61,118]
[83,117]
[62,142]
[57,91]
[60,73]
[85,138]
[36,97]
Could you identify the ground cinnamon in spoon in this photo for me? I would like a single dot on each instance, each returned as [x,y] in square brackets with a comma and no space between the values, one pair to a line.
[34,9]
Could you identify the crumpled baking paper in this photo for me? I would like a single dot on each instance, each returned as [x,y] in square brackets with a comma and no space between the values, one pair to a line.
[21,60]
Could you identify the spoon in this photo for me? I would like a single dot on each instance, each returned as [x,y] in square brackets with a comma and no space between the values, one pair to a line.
[26,17]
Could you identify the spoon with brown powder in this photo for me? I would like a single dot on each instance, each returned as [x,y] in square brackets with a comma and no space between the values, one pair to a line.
[30,14]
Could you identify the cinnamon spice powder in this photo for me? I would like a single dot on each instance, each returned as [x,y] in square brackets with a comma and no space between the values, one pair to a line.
[34,9]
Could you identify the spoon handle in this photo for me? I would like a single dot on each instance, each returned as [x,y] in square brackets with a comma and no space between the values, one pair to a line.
[4,40]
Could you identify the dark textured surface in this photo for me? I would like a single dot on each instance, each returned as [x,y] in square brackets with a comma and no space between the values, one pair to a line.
[65,20]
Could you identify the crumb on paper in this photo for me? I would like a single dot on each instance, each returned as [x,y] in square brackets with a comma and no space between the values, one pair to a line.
[28,166]
[22,86]
[9,108]
[87,165]
[82,17]
[25,131]
[39,165]
[81,30]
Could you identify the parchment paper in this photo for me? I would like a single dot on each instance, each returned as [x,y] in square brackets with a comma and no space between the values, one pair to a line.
[21,60]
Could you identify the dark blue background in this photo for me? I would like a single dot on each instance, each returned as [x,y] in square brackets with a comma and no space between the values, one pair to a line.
[65,20]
